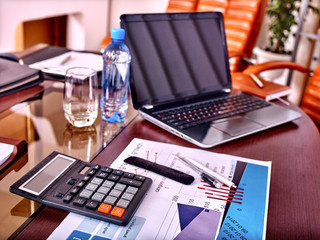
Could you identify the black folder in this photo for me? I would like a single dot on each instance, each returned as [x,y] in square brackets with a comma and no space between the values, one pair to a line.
[15,77]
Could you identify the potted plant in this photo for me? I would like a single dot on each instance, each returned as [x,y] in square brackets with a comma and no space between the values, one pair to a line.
[283,16]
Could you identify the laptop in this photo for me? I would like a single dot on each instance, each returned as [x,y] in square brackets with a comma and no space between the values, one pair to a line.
[180,68]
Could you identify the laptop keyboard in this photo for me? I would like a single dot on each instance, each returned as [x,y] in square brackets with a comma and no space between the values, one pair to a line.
[199,113]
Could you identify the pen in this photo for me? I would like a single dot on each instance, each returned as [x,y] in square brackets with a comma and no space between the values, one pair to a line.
[66,59]
[206,171]
[205,177]
[211,181]
[256,80]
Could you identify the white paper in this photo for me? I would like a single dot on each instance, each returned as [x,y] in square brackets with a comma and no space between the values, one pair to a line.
[158,215]
[59,64]
[5,151]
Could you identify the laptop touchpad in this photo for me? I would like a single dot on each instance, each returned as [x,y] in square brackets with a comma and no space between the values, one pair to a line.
[237,126]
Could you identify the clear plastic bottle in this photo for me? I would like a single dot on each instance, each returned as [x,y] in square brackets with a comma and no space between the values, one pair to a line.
[115,78]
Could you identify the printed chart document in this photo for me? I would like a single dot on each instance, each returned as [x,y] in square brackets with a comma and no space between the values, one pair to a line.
[172,210]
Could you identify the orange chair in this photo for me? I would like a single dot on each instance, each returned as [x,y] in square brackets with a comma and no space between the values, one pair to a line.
[182,5]
[310,103]
[243,19]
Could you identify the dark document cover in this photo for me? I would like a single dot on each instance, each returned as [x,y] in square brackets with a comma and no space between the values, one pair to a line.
[15,77]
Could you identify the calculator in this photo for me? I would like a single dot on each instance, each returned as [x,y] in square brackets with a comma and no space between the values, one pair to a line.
[84,188]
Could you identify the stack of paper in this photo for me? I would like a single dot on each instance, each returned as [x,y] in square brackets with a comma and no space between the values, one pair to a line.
[59,64]
[5,152]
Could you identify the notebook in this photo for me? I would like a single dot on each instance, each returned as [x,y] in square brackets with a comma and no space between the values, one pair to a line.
[15,77]
[180,60]
[269,91]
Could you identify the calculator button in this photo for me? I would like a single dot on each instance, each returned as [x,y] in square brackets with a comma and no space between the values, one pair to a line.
[113,177]
[91,172]
[86,178]
[108,184]
[59,194]
[97,181]
[139,178]
[110,200]
[98,197]
[79,201]
[128,175]
[104,208]
[103,190]
[81,184]
[92,186]
[117,172]
[115,193]
[72,181]
[106,169]
[117,212]
[132,190]
[102,175]
[86,193]
[123,203]
[120,187]
[92,205]
[75,191]
[67,198]
[130,182]
[127,196]
[96,167]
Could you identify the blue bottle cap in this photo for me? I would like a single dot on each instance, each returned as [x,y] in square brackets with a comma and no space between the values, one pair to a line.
[117,34]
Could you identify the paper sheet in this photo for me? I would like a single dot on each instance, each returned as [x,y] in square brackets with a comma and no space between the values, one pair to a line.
[5,152]
[172,210]
[59,64]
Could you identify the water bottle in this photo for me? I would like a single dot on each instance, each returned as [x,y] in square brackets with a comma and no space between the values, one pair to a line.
[115,78]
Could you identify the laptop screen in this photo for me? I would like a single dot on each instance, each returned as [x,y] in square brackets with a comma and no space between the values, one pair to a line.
[176,56]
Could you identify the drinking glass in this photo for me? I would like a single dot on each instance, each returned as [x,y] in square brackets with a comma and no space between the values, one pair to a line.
[80,96]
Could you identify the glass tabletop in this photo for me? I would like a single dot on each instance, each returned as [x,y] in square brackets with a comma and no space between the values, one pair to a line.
[41,122]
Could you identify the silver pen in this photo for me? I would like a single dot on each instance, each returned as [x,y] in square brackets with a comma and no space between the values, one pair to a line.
[206,171]
[256,80]
[207,178]
[65,60]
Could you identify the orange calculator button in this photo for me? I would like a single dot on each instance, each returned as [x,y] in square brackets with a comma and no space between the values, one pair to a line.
[118,212]
[104,208]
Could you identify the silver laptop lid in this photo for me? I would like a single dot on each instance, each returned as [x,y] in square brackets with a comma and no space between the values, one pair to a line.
[176,56]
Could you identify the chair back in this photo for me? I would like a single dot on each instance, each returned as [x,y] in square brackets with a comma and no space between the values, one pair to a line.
[243,19]
[311,98]
[182,5]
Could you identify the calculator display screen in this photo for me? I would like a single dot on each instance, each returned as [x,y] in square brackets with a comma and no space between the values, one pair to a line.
[45,176]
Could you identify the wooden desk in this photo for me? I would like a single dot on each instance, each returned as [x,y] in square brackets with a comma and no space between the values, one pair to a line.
[293,148]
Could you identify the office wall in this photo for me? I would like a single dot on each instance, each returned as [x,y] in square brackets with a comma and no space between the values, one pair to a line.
[119,7]
[87,20]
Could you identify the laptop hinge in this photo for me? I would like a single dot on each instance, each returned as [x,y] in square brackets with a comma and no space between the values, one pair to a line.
[148,106]
[226,90]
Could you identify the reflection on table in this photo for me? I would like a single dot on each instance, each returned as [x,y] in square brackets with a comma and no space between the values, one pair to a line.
[41,122]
